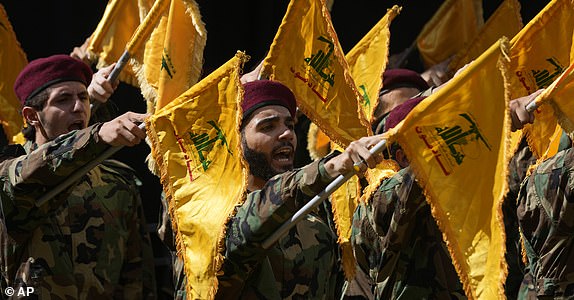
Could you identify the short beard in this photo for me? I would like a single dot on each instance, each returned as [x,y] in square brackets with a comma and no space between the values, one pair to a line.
[258,164]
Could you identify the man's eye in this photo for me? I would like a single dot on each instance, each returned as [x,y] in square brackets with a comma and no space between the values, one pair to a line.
[266,127]
[61,99]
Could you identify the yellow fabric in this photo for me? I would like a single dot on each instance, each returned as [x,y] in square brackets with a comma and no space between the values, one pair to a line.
[368,60]
[505,21]
[554,144]
[196,144]
[344,202]
[182,51]
[148,65]
[172,59]
[306,56]
[558,95]
[318,144]
[158,10]
[173,54]
[109,40]
[19,139]
[454,25]
[12,61]
[539,53]
[457,136]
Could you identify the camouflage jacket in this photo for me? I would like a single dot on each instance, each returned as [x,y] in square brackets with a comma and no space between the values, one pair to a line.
[546,217]
[88,242]
[398,243]
[304,264]
[517,169]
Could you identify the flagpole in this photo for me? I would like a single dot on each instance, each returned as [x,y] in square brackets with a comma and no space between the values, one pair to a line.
[137,40]
[318,199]
[79,173]
[121,63]
[405,55]
[531,106]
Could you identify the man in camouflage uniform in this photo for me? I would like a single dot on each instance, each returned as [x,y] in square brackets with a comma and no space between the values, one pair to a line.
[517,168]
[89,241]
[305,262]
[546,217]
[396,239]
[399,85]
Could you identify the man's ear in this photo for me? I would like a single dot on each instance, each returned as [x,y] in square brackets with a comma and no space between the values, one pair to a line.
[30,115]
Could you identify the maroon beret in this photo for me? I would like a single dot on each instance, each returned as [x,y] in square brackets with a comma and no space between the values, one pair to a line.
[401,111]
[261,93]
[44,72]
[397,78]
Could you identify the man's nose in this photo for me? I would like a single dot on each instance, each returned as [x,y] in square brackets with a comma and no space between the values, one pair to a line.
[79,105]
[287,134]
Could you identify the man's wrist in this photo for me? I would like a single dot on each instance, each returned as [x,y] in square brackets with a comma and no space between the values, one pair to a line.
[324,174]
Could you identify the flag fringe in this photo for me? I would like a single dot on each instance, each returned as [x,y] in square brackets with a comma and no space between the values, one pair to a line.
[125,76]
[220,257]
[347,256]
[198,45]
[169,195]
[363,46]
[149,92]
[346,74]
[440,215]
[386,169]
[349,262]
[509,150]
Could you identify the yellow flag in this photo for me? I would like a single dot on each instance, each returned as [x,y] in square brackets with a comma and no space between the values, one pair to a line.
[539,53]
[455,24]
[109,40]
[505,21]
[368,60]
[173,55]
[147,63]
[306,56]
[458,136]
[344,201]
[12,60]
[195,141]
[559,96]
[182,57]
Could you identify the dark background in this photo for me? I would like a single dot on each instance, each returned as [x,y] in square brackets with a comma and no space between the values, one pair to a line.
[53,27]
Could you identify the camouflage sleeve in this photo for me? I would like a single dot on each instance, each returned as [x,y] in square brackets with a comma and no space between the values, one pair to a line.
[28,177]
[262,213]
[138,276]
[382,226]
[366,244]
[546,217]
[517,168]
